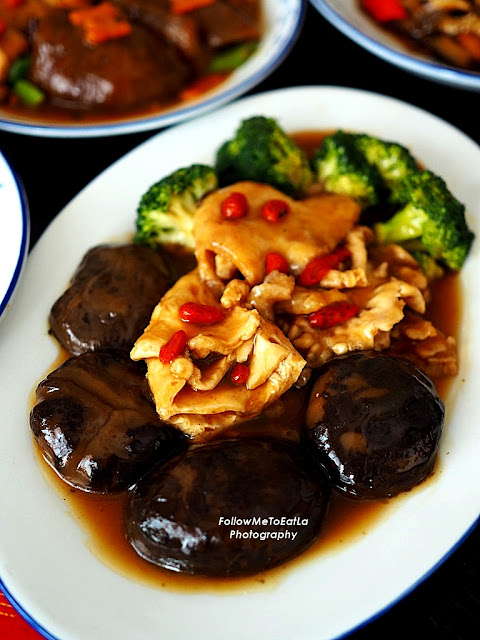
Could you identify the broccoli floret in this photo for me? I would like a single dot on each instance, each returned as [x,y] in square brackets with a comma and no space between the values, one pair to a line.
[343,169]
[393,161]
[432,217]
[165,214]
[430,267]
[262,151]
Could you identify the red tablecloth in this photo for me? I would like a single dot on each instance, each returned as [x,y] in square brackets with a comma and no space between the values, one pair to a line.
[12,625]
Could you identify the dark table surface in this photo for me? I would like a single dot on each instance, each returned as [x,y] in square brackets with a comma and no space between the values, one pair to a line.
[447,603]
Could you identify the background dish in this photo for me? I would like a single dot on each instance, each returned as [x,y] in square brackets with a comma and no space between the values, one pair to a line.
[14,233]
[347,17]
[283,22]
[42,548]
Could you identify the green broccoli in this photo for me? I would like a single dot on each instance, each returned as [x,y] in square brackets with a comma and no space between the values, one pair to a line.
[165,214]
[263,152]
[430,267]
[343,169]
[431,219]
[393,161]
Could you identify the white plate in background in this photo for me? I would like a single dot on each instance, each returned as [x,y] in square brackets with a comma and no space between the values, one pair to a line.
[347,17]
[283,21]
[46,566]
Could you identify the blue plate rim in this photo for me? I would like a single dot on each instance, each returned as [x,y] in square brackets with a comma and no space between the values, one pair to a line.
[25,239]
[378,614]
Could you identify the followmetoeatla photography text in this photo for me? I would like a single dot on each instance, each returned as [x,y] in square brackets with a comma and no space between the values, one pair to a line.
[285,527]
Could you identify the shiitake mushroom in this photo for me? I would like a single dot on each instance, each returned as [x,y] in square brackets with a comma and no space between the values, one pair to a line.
[374,421]
[228,508]
[96,424]
[110,299]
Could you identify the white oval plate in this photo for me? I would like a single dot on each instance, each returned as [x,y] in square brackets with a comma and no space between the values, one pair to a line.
[349,19]
[46,566]
[282,26]
[14,233]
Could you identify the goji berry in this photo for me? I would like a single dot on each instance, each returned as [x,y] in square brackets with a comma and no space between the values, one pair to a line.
[275,209]
[235,206]
[174,347]
[276,262]
[333,314]
[240,373]
[200,313]
[318,267]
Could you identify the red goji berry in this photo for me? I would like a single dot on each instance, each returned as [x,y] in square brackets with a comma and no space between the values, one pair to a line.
[174,347]
[276,262]
[274,209]
[200,313]
[240,373]
[318,267]
[235,206]
[333,314]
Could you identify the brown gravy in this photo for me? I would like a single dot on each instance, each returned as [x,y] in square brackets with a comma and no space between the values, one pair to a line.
[101,516]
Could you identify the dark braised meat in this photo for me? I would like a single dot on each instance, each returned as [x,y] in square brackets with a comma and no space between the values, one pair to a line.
[110,299]
[96,425]
[181,31]
[201,31]
[175,515]
[223,23]
[375,422]
[118,74]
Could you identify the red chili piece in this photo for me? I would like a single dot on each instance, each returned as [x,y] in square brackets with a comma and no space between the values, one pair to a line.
[174,347]
[235,206]
[318,267]
[240,373]
[385,10]
[333,314]
[273,210]
[200,313]
[276,262]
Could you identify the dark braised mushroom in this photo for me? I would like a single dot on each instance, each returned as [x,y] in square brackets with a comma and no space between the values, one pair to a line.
[229,508]
[120,73]
[96,424]
[375,422]
[110,299]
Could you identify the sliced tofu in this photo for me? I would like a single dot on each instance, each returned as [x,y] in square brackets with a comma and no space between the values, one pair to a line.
[194,392]
[313,226]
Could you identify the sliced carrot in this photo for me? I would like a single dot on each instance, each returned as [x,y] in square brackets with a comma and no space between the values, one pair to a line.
[202,85]
[385,10]
[470,42]
[185,6]
[97,33]
[100,23]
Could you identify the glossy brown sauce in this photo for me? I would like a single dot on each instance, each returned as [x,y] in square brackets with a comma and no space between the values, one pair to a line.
[101,516]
